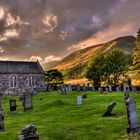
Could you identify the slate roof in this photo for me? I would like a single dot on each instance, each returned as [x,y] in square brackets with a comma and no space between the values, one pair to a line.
[20,67]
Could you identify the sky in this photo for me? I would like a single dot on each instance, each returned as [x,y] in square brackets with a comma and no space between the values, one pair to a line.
[48,30]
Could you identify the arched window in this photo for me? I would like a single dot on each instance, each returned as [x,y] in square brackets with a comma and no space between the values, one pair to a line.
[31,81]
[13,81]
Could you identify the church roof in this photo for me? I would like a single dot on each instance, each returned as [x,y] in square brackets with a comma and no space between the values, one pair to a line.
[20,67]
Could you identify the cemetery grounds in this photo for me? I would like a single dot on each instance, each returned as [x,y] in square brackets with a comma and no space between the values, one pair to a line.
[57,117]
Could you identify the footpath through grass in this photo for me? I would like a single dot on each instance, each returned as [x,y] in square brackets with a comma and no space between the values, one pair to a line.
[57,117]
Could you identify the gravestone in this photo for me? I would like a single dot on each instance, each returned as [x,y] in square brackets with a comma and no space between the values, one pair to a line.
[133,126]
[117,89]
[126,88]
[84,95]
[28,133]
[1,120]
[106,89]
[84,87]
[110,88]
[79,100]
[78,87]
[100,90]
[63,90]
[12,106]
[69,87]
[28,102]
[109,109]
[126,92]
[93,88]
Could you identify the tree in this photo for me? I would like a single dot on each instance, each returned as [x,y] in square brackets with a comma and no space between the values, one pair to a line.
[136,56]
[54,77]
[95,70]
[108,68]
[116,66]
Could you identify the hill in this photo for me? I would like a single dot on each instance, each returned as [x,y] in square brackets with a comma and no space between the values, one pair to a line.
[125,43]
[49,65]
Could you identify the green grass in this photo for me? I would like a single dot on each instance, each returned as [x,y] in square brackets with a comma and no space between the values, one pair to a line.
[57,117]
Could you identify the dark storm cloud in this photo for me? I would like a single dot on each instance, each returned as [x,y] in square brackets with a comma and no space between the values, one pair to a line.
[48,27]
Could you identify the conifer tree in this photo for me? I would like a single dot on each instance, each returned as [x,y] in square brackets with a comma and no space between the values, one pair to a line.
[136,56]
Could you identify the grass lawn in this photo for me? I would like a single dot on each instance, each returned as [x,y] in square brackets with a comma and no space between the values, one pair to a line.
[57,117]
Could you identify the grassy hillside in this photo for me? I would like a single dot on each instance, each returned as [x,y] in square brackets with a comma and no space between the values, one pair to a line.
[57,117]
[125,43]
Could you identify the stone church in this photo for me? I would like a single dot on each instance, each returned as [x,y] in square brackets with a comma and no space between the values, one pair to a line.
[19,77]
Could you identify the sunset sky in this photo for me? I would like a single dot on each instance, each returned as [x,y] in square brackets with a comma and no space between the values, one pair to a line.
[49,30]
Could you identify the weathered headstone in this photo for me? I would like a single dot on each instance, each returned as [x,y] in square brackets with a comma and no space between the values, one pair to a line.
[79,100]
[110,88]
[133,126]
[29,133]
[69,87]
[84,95]
[126,88]
[100,90]
[78,87]
[28,102]
[106,89]
[117,89]
[1,120]
[93,88]
[63,90]
[84,87]
[109,109]
[12,106]
[126,92]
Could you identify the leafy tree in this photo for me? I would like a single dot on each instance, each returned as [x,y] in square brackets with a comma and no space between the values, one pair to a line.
[116,66]
[54,77]
[109,68]
[136,56]
[95,69]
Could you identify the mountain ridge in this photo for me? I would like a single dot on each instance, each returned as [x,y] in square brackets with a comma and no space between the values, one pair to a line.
[125,43]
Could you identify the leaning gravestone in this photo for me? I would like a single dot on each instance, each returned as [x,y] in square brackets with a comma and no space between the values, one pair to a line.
[133,126]
[1,120]
[28,133]
[79,100]
[109,109]
[28,102]
[12,106]
[84,95]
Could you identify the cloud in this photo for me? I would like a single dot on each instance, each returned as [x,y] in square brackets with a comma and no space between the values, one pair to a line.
[51,22]
[44,59]
[52,28]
